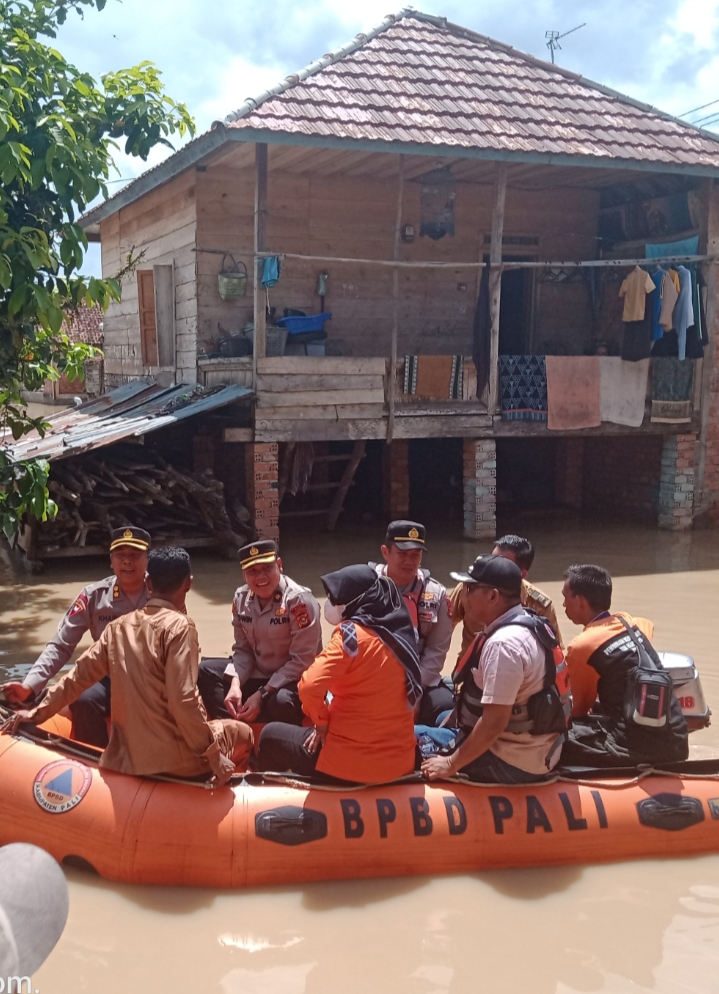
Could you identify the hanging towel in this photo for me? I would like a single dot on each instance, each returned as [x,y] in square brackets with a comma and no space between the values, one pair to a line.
[434,376]
[672,381]
[623,390]
[572,392]
[523,383]
[687,246]
[271,271]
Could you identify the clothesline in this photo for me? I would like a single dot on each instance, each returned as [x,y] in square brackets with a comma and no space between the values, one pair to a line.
[523,264]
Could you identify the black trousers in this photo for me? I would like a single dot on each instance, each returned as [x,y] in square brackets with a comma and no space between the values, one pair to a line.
[284,705]
[435,700]
[89,712]
[282,748]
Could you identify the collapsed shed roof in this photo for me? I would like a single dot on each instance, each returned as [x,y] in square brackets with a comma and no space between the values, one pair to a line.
[422,85]
[131,410]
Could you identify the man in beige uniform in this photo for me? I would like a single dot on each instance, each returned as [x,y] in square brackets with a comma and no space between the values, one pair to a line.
[277,636]
[159,724]
[92,610]
[520,551]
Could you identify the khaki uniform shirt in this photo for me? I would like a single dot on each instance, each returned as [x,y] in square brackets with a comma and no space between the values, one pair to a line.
[159,723]
[434,617]
[532,597]
[278,641]
[92,610]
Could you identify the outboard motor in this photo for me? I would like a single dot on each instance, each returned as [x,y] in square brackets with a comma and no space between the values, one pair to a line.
[687,689]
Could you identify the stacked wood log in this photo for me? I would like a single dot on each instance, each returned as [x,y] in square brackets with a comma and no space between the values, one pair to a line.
[120,485]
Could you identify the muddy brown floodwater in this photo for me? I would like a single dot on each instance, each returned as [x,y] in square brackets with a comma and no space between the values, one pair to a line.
[632,927]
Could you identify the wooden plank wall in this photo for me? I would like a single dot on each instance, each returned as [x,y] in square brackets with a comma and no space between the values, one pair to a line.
[352,216]
[303,387]
[163,224]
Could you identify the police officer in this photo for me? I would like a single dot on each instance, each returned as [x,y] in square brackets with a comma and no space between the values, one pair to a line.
[520,551]
[428,607]
[277,636]
[94,607]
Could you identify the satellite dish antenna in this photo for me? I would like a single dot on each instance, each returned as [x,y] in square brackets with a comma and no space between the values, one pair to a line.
[554,36]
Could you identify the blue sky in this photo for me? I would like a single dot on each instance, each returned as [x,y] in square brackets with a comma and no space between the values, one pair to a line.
[213,53]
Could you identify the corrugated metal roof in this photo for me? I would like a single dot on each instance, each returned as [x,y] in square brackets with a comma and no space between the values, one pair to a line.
[420,79]
[133,409]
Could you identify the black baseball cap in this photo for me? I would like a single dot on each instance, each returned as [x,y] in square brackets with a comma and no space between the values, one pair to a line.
[493,571]
[263,551]
[406,534]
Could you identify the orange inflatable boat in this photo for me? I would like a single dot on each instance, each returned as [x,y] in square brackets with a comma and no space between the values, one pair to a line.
[261,831]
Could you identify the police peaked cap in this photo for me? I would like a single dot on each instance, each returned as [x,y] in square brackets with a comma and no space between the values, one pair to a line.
[137,538]
[264,551]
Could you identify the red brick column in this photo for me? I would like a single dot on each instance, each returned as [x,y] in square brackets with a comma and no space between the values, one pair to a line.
[262,496]
[480,487]
[676,483]
[395,478]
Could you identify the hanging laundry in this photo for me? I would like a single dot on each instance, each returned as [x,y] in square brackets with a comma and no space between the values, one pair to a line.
[623,390]
[572,392]
[683,310]
[686,246]
[672,382]
[670,295]
[523,386]
[696,334]
[271,271]
[634,289]
[637,338]
[656,304]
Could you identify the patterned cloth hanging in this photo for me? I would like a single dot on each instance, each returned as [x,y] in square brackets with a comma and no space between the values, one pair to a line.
[523,383]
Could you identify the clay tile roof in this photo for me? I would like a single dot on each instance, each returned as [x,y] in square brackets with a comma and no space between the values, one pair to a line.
[85,325]
[420,79]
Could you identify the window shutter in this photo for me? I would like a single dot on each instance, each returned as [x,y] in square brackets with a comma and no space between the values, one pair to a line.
[148,323]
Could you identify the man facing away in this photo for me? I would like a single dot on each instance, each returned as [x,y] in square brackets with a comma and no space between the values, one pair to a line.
[429,609]
[92,610]
[520,551]
[277,635]
[159,724]
[515,659]
[604,662]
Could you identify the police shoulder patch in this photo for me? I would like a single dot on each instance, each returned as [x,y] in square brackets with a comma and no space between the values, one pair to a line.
[80,604]
[301,615]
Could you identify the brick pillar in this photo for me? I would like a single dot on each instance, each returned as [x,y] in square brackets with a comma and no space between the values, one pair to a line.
[395,478]
[262,495]
[570,472]
[480,487]
[676,483]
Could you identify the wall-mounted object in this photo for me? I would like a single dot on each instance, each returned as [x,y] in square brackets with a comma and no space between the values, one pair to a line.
[462,287]
[406,233]
[437,197]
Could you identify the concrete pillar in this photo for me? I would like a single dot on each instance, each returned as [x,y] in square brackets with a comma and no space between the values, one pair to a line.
[262,494]
[676,483]
[480,488]
[570,472]
[395,478]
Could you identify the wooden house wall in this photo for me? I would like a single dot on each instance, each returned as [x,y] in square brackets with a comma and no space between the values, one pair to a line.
[162,224]
[355,217]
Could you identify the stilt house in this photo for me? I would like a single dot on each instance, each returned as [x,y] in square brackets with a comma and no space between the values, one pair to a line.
[456,206]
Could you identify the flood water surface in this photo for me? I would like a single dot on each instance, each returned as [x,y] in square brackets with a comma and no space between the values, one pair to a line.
[631,927]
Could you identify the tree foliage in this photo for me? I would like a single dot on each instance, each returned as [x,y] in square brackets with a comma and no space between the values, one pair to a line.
[58,130]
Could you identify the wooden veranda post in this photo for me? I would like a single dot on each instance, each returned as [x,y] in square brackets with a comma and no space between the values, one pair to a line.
[395,304]
[495,282]
[259,316]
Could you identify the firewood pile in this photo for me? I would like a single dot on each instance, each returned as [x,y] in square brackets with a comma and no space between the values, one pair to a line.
[122,485]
